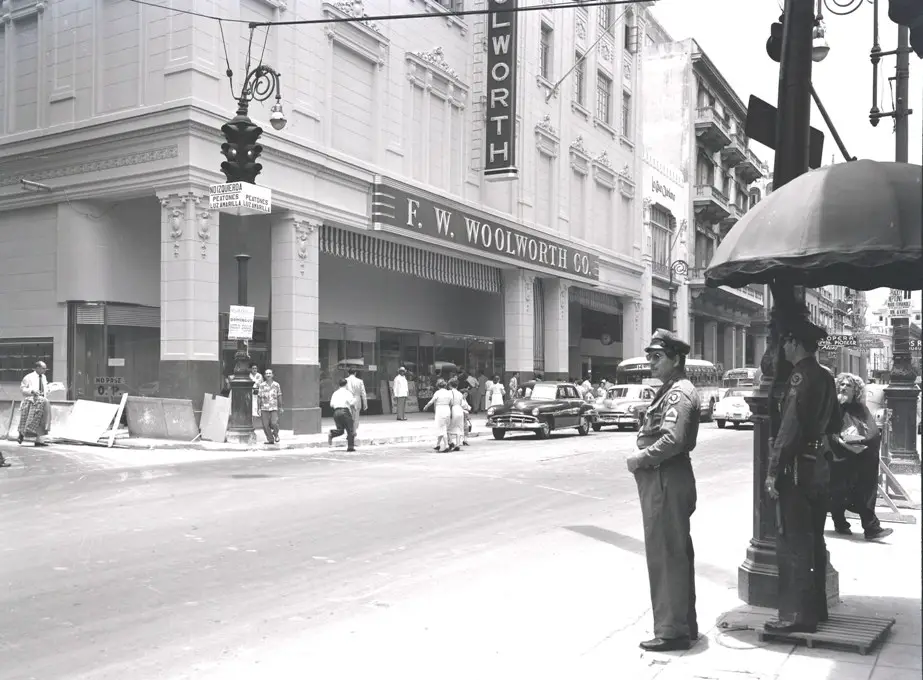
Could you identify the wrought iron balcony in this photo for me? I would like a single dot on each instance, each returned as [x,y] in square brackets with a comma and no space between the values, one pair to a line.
[751,168]
[735,152]
[735,212]
[711,131]
[660,269]
[752,294]
[710,204]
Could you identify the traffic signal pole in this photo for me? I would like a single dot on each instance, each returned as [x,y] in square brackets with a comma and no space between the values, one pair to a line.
[757,582]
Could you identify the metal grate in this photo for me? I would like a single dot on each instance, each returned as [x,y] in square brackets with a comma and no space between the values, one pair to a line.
[91,315]
[600,302]
[405,259]
[129,315]
[538,330]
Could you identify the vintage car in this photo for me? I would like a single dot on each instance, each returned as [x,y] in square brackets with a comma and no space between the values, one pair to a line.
[544,406]
[733,407]
[623,406]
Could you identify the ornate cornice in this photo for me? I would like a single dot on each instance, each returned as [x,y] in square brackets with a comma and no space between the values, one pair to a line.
[436,58]
[99,165]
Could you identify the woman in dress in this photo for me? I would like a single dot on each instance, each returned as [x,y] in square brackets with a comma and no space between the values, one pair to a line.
[854,469]
[496,392]
[457,420]
[442,403]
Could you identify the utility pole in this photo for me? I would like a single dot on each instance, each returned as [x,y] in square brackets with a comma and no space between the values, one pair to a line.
[902,86]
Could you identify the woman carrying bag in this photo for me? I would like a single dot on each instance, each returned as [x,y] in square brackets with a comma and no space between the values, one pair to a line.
[854,468]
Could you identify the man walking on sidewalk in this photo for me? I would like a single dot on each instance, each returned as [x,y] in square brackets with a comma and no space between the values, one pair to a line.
[666,486]
[798,479]
[400,393]
[342,402]
[357,387]
[270,407]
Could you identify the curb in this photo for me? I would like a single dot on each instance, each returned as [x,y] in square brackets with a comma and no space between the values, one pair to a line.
[217,447]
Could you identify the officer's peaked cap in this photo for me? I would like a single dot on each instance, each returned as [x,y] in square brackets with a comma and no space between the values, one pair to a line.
[668,341]
[802,329]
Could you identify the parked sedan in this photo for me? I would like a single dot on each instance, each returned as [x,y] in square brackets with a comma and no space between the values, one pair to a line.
[549,406]
[623,406]
[733,408]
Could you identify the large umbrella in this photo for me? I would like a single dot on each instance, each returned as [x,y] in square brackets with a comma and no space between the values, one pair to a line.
[854,224]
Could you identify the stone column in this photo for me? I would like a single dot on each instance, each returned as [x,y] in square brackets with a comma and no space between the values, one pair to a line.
[634,335]
[189,345]
[730,346]
[711,341]
[557,329]
[759,341]
[519,323]
[741,356]
[294,319]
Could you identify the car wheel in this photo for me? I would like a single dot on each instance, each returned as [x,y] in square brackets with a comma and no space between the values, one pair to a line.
[544,432]
[721,424]
[498,433]
[583,428]
[736,425]
[597,427]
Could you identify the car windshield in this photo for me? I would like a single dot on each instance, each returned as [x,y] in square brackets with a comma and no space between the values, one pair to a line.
[625,392]
[544,392]
[738,393]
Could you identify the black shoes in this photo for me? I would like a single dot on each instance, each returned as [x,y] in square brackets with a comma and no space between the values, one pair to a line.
[20,438]
[843,529]
[782,627]
[666,644]
[881,532]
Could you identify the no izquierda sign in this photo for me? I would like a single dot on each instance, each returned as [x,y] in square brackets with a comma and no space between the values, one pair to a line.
[240,198]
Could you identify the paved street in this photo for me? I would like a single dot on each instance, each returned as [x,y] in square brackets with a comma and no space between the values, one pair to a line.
[509,556]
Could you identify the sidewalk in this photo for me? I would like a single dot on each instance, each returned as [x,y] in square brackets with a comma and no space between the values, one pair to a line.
[879,580]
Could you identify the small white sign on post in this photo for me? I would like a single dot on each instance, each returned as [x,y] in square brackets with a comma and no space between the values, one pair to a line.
[899,309]
[240,198]
[240,323]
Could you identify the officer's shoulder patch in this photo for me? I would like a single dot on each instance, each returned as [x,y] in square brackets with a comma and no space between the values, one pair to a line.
[796,379]
[792,393]
[670,416]
[673,398]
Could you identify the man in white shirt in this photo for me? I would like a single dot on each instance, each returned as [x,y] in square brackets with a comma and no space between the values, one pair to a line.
[400,392]
[35,413]
[343,404]
[357,387]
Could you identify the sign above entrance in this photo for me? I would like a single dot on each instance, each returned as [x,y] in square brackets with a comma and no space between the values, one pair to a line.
[398,208]
[240,198]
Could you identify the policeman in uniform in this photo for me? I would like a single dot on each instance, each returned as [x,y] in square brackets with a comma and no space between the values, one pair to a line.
[666,486]
[798,478]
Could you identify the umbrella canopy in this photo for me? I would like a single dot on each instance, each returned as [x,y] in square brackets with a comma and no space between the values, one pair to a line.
[854,224]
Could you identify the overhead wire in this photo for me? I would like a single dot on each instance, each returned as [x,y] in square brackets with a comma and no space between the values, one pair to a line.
[394,17]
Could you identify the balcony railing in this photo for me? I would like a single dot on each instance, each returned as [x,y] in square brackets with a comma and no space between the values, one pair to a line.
[754,293]
[711,130]
[751,168]
[710,202]
[735,152]
[660,269]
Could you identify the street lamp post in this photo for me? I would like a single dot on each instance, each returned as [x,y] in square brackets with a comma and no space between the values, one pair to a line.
[242,151]
[680,268]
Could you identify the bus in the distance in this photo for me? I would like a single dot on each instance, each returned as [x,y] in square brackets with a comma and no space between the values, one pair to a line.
[702,374]
[742,377]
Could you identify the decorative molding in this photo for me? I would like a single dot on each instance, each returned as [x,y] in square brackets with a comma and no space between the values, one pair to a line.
[175,219]
[303,231]
[434,7]
[356,10]
[603,172]
[203,230]
[605,50]
[423,71]
[626,69]
[23,12]
[603,159]
[149,156]
[581,28]
[436,58]
[626,183]
[546,137]
[636,302]
[545,125]
[528,283]
[563,299]
[579,156]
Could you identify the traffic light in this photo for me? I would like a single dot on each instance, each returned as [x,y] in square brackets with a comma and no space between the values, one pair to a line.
[909,13]
[774,43]
[241,150]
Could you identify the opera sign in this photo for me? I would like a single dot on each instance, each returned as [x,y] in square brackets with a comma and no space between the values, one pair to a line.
[397,208]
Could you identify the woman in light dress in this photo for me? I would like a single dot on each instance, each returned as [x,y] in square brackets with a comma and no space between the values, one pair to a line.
[496,392]
[457,419]
[442,403]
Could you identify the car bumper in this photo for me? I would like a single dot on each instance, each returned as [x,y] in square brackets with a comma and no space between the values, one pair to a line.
[519,423]
[603,418]
[733,417]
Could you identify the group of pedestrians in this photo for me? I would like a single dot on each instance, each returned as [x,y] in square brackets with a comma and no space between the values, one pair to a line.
[823,458]
[451,409]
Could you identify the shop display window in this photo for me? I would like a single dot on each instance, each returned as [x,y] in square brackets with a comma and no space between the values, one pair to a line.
[18,357]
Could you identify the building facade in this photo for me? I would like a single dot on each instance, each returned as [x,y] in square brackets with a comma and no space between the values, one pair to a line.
[879,320]
[694,134]
[116,270]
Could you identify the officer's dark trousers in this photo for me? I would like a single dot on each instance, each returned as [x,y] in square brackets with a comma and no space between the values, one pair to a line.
[801,550]
[668,499]
[343,419]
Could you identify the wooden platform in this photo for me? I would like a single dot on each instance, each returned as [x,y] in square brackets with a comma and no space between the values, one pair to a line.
[859,633]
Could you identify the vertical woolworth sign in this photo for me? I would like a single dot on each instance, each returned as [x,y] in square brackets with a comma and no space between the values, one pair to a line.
[500,162]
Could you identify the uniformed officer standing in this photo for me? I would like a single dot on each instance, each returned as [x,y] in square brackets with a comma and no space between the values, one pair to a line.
[798,478]
[666,486]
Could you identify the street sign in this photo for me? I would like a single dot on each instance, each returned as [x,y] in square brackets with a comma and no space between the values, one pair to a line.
[240,323]
[761,126]
[915,344]
[899,309]
[837,341]
[240,198]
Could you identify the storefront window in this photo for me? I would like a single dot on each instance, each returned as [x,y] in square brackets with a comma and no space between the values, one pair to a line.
[18,357]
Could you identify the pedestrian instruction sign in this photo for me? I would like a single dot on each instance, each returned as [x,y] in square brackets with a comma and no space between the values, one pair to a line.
[240,323]
[109,386]
[240,198]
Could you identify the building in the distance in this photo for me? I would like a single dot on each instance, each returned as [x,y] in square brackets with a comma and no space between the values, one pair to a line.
[879,318]
[697,153]
[386,245]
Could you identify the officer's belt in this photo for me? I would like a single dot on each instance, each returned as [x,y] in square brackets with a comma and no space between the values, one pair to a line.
[678,458]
